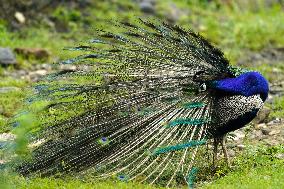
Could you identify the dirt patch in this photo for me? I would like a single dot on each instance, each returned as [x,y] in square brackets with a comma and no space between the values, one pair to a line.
[269,56]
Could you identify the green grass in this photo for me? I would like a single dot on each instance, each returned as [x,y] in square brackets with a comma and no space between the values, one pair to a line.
[256,168]
[11,101]
[234,29]
[277,107]
[69,183]
[237,30]
[36,38]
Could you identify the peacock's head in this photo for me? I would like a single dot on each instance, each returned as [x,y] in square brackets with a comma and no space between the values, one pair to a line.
[247,84]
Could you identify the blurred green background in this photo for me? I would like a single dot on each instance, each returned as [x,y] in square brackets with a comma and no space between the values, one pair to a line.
[33,34]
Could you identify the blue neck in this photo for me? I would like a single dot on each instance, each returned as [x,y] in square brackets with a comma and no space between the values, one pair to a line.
[247,84]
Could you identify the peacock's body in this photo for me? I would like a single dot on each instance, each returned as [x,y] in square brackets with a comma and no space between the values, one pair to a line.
[152,97]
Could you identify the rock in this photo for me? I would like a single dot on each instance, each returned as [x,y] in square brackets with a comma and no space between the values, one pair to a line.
[231,153]
[271,142]
[274,122]
[22,72]
[20,17]
[274,132]
[47,67]
[2,162]
[37,53]
[148,6]
[241,146]
[7,57]
[279,156]
[35,75]
[8,89]
[265,131]
[174,13]
[38,73]
[238,135]
[256,135]
[261,126]
[67,67]
[262,115]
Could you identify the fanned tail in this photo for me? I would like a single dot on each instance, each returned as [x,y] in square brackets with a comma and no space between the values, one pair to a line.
[140,112]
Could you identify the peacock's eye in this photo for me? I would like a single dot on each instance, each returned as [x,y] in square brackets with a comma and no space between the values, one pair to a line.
[202,87]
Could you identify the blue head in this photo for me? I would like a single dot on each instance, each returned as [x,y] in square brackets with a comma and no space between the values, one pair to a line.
[247,84]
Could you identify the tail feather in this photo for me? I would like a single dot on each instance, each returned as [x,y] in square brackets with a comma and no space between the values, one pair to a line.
[142,112]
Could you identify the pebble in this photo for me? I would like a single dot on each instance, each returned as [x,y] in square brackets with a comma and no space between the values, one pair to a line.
[256,135]
[262,115]
[7,57]
[37,53]
[274,132]
[47,67]
[279,156]
[265,131]
[67,67]
[147,6]
[238,135]
[20,17]
[261,126]
[231,153]
[39,72]
[241,146]
[274,122]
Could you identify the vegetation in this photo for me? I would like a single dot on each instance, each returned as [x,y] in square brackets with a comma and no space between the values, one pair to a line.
[257,167]
[238,29]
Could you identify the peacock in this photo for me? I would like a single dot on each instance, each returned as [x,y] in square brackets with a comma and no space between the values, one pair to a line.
[143,104]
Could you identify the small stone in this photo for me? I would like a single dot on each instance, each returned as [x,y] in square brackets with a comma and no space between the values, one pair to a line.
[257,134]
[46,67]
[274,122]
[41,72]
[148,6]
[174,13]
[262,115]
[7,57]
[274,132]
[265,131]
[279,156]
[67,67]
[22,72]
[37,53]
[271,142]
[238,135]
[20,17]
[231,153]
[261,126]
[2,161]
[34,76]
[241,146]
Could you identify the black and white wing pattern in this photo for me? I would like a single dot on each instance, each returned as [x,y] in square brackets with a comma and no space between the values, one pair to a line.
[137,108]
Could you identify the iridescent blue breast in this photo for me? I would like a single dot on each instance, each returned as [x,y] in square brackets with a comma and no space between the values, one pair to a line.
[237,101]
